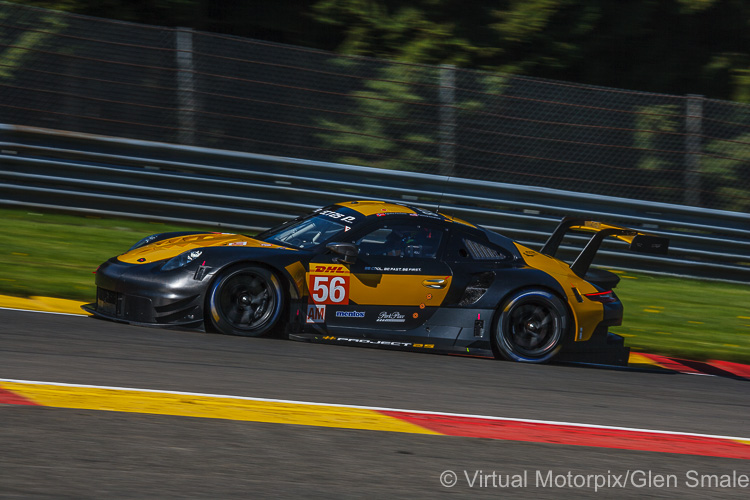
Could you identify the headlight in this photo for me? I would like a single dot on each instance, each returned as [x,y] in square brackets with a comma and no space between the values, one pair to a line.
[181,260]
[144,241]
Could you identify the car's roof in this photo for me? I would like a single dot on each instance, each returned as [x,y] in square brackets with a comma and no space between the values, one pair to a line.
[373,208]
[361,210]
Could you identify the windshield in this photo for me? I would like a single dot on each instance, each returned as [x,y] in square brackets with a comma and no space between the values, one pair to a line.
[305,233]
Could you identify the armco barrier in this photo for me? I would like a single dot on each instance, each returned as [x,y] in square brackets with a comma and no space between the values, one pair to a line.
[112,176]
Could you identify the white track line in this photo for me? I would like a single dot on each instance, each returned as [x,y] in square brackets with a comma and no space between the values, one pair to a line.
[43,312]
[378,408]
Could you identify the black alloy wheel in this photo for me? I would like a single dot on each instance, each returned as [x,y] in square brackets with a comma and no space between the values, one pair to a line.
[245,301]
[531,327]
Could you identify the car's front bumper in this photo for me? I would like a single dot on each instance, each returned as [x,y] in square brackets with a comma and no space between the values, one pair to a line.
[143,294]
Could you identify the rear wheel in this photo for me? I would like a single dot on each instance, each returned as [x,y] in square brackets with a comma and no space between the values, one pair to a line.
[531,326]
[245,301]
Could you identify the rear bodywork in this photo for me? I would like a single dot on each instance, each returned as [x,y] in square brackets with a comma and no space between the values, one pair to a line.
[442,294]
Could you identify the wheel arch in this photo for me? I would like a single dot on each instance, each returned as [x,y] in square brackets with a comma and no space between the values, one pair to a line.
[527,279]
[287,280]
[557,293]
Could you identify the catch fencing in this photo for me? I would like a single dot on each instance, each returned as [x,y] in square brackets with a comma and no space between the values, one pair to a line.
[70,72]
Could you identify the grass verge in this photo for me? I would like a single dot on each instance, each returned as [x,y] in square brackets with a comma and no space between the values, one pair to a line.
[55,255]
[695,319]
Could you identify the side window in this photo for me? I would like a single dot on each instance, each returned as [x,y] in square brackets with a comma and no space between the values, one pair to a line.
[464,247]
[480,252]
[375,243]
[401,241]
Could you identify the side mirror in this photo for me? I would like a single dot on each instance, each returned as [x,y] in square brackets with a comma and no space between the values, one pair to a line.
[347,252]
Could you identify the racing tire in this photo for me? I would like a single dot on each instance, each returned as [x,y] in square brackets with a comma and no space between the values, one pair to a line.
[245,301]
[531,327]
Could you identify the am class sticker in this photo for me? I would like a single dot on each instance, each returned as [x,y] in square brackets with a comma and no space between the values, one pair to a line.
[316,314]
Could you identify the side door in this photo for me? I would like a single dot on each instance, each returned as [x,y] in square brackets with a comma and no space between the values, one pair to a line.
[397,282]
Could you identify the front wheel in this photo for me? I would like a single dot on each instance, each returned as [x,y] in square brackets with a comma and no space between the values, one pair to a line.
[245,301]
[530,327]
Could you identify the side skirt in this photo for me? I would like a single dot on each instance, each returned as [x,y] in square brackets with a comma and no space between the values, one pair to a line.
[425,347]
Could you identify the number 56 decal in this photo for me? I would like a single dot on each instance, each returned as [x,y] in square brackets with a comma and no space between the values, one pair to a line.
[327,289]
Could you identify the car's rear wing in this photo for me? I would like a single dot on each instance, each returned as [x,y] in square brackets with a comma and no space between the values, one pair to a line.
[638,241]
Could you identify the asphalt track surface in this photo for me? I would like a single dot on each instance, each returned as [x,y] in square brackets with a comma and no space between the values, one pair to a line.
[67,453]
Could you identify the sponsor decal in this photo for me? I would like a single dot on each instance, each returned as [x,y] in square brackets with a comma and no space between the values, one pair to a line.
[380,342]
[328,284]
[393,317]
[350,314]
[341,217]
[394,269]
[328,269]
[316,314]
[376,342]
[241,244]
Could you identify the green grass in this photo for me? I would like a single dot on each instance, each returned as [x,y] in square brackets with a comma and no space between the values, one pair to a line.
[696,319]
[55,255]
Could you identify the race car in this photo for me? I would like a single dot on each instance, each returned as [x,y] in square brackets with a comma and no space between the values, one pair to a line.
[380,274]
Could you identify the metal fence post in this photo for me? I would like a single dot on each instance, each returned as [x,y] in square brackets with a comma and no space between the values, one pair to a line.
[447,119]
[185,86]
[693,129]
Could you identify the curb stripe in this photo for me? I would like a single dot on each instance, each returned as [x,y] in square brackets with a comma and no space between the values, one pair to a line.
[734,368]
[669,363]
[515,430]
[11,398]
[711,367]
[637,358]
[228,408]
[366,418]
[43,304]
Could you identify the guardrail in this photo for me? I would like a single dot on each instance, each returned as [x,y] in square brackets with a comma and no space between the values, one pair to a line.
[113,176]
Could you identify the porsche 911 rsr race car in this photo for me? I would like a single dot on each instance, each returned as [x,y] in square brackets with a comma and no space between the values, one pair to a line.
[379,274]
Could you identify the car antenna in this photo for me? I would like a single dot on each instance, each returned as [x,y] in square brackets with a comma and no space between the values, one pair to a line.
[442,193]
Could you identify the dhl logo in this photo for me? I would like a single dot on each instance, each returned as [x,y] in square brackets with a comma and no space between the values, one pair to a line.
[328,269]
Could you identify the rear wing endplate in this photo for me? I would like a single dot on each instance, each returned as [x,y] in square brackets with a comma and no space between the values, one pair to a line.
[638,241]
